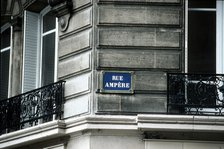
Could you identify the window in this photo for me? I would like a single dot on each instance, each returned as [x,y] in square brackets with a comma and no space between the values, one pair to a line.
[5,62]
[39,63]
[205,53]
[48,49]
[205,36]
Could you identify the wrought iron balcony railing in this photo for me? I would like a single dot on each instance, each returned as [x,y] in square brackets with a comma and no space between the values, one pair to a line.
[31,108]
[195,94]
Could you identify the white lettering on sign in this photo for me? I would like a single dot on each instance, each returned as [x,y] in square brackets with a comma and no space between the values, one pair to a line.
[117,78]
[117,84]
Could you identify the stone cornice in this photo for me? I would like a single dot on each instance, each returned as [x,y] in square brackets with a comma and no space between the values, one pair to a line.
[101,122]
[141,123]
[32,134]
[181,123]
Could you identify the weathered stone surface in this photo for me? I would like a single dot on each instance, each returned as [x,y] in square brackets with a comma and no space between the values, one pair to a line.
[78,21]
[143,1]
[73,107]
[145,103]
[75,43]
[150,81]
[117,138]
[139,59]
[132,103]
[16,8]
[80,3]
[140,15]
[147,37]
[16,64]
[75,64]
[109,102]
[78,85]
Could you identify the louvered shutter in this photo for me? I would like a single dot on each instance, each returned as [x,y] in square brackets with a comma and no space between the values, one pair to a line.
[31,42]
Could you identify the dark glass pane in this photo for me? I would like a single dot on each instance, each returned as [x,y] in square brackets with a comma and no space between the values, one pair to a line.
[49,22]
[4,74]
[48,58]
[5,39]
[202,3]
[202,42]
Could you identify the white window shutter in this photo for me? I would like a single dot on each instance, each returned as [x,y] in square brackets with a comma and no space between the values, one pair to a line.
[31,42]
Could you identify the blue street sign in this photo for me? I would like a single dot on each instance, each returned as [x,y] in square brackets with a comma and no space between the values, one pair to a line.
[117,82]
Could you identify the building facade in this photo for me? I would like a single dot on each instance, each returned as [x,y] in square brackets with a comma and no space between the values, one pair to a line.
[115,74]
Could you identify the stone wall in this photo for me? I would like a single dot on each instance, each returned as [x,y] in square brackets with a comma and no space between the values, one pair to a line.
[143,36]
[75,58]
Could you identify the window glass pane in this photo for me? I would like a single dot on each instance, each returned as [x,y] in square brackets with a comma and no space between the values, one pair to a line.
[48,58]
[49,21]
[4,74]
[5,39]
[202,41]
[202,3]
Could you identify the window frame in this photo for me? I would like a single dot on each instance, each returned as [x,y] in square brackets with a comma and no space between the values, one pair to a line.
[9,48]
[219,34]
[40,36]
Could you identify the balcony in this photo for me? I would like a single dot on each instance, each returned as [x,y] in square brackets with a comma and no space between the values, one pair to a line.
[32,108]
[195,94]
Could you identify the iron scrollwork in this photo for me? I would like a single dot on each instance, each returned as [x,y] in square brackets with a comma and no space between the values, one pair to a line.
[31,108]
[195,94]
